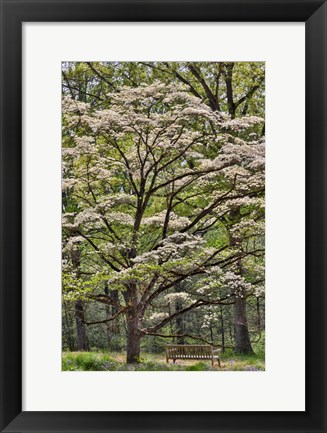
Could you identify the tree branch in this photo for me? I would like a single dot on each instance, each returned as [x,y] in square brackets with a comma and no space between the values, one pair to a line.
[107,320]
[196,304]
[100,75]
[98,250]
[211,97]
[194,337]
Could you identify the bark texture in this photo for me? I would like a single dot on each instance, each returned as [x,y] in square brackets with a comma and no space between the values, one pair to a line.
[133,337]
[242,338]
[82,340]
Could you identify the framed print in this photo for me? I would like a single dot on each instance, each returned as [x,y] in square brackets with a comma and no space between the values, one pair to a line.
[163,216]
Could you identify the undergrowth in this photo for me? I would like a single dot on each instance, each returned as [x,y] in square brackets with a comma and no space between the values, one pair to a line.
[99,361]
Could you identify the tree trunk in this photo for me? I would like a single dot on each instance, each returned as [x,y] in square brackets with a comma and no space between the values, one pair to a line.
[115,325]
[108,315]
[133,337]
[211,333]
[179,324]
[222,328]
[82,340]
[229,88]
[69,325]
[242,338]
[258,315]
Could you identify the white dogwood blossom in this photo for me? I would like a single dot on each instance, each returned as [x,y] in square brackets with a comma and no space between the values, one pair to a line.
[159,189]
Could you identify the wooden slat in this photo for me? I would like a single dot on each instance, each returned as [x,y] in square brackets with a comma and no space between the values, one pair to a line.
[189,351]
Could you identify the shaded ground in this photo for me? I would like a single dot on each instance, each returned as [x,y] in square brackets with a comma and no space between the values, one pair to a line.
[114,361]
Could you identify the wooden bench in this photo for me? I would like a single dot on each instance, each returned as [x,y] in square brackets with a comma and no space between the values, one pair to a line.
[191,351]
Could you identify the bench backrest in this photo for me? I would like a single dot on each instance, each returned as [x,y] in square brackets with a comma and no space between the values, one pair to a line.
[196,351]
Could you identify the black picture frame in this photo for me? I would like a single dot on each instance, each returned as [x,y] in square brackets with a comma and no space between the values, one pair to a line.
[13,14]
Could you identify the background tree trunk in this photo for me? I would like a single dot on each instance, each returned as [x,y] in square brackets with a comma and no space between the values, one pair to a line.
[68,328]
[82,340]
[222,328]
[258,315]
[242,338]
[179,324]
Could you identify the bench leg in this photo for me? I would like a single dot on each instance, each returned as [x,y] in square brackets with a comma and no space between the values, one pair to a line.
[218,359]
[174,360]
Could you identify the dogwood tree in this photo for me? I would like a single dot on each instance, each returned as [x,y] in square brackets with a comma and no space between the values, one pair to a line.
[166,193]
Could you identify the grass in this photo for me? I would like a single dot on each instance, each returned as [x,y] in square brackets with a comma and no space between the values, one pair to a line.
[238,362]
[115,361]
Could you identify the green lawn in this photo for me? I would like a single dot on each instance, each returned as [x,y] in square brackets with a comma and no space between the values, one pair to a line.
[114,361]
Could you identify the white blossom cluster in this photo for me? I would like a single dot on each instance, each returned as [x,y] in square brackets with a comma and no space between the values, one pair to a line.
[72,242]
[108,201]
[242,123]
[227,283]
[175,222]
[248,227]
[181,297]
[157,317]
[211,316]
[175,246]
[259,290]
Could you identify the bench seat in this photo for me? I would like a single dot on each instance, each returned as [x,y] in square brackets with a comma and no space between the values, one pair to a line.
[192,351]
